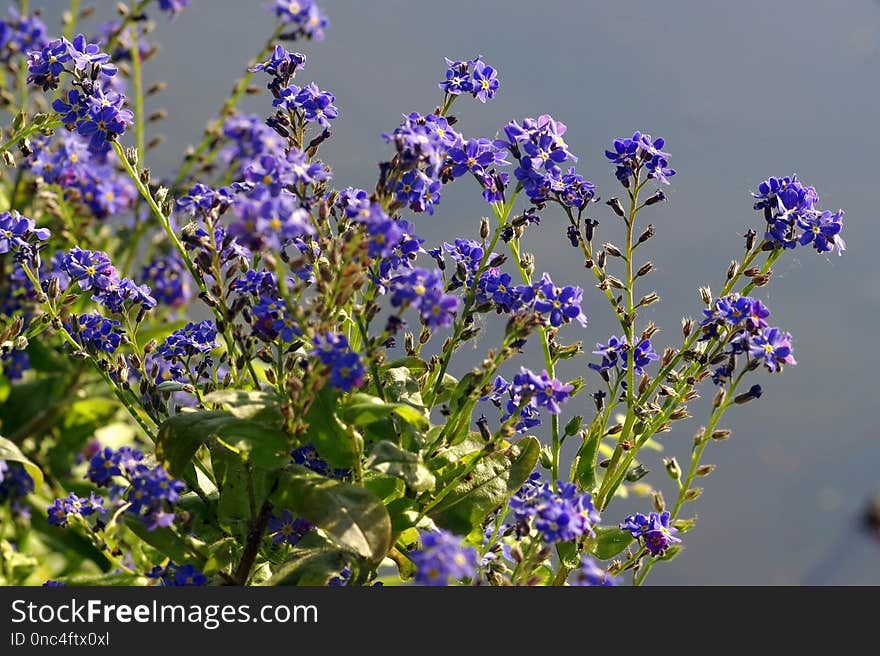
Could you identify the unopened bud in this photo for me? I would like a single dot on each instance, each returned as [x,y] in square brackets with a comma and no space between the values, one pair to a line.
[649,299]
[615,206]
[636,473]
[753,393]
[658,501]
[658,197]
[732,269]
[645,269]
[611,249]
[693,494]
[721,434]
[719,398]
[647,234]
[672,468]
[687,325]
[705,470]
[706,295]
[484,228]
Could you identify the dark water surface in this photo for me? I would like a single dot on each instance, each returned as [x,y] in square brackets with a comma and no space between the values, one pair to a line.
[741,91]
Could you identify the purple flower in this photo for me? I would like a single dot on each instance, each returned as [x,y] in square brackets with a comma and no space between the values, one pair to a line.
[443,559]
[542,390]
[346,369]
[85,55]
[90,269]
[17,231]
[562,304]
[192,339]
[559,516]
[773,347]
[287,529]
[46,65]
[97,333]
[589,574]
[485,81]
[654,529]
[173,7]
[822,230]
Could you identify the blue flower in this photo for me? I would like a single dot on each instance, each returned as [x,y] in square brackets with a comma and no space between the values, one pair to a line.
[629,154]
[772,347]
[90,269]
[86,55]
[653,529]
[485,81]
[562,304]
[169,280]
[346,369]
[286,528]
[14,364]
[560,516]
[589,574]
[17,231]
[822,230]
[308,457]
[61,510]
[173,7]
[443,559]
[96,333]
[46,65]
[458,78]
[192,339]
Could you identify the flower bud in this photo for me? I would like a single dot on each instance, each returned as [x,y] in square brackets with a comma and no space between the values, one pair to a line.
[719,398]
[732,269]
[636,473]
[645,269]
[721,434]
[672,468]
[706,295]
[687,325]
[647,234]
[753,393]
[657,197]
[616,207]
[611,249]
[484,228]
[658,501]
[649,299]
[705,470]
[693,494]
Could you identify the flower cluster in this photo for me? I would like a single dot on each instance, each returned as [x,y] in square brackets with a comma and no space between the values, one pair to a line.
[15,485]
[178,575]
[539,149]
[63,509]
[617,353]
[91,106]
[423,290]
[96,333]
[93,271]
[151,492]
[590,574]
[443,559]
[559,515]
[346,368]
[304,17]
[641,150]
[169,280]
[526,395]
[745,320]
[471,76]
[789,207]
[653,529]
[19,234]
[307,456]
[20,34]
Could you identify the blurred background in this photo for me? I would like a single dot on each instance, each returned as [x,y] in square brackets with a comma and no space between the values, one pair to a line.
[740,91]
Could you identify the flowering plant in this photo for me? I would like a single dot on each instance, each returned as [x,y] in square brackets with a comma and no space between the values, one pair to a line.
[244,373]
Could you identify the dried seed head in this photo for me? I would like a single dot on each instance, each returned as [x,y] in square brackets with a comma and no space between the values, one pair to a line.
[706,295]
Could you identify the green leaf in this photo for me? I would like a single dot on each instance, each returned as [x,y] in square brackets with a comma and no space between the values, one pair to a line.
[354,517]
[573,426]
[568,554]
[114,579]
[388,458]
[384,487]
[404,514]
[310,567]
[584,465]
[363,409]
[326,432]
[164,540]
[181,436]
[9,451]
[494,480]
[247,404]
[609,542]
[416,366]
